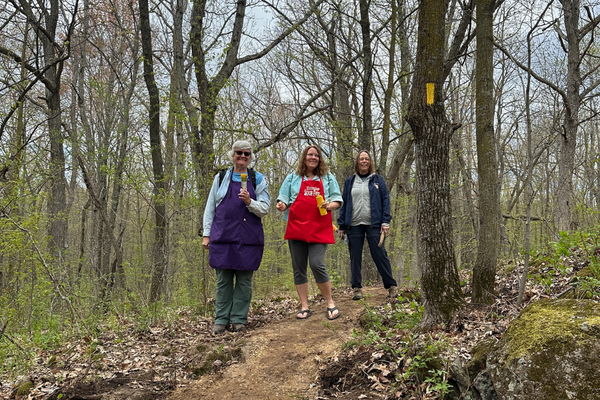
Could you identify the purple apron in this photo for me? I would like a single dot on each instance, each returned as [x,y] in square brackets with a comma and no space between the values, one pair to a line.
[237,239]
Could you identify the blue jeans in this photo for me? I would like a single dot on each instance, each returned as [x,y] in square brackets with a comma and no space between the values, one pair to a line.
[356,238]
[233,300]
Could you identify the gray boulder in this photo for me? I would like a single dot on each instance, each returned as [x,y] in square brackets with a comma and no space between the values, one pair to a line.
[550,352]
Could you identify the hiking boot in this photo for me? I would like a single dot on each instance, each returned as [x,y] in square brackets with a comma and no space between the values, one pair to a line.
[357,294]
[393,294]
[219,329]
[238,327]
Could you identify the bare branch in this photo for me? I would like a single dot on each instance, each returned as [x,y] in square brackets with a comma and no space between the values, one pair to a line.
[38,73]
[282,36]
[533,73]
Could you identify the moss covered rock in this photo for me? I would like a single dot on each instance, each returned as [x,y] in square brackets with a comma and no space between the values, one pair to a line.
[23,388]
[550,352]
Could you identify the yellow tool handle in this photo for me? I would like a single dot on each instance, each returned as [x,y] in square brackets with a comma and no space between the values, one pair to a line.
[322,210]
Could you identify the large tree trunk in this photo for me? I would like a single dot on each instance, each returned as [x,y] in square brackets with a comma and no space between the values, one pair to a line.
[366,133]
[58,198]
[340,113]
[58,184]
[158,199]
[432,130]
[208,90]
[175,147]
[484,273]
[566,163]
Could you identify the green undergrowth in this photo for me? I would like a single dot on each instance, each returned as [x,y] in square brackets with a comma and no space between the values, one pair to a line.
[390,355]
[573,254]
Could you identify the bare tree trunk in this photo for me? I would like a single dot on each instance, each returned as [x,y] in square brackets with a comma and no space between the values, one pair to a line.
[341,108]
[484,273]
[389,91]
[528,179]
[467,183]
[566,164]
[58,185]
[366,133]
[158,199]
[595,181]
[82,236]
[432,130]
[175,134]
[405,147]
[175,104]
[528,191]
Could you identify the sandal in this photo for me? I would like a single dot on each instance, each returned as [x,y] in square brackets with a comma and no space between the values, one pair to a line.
[330,311]
[306,313]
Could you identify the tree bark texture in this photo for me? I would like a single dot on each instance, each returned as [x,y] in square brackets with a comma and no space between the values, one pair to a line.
[208,89]
[175,120]
[566,163]
[484,273]
[389,92]
[158,199]
[53,70]
[342,122]
[432,130]
[403,155]
[366,133]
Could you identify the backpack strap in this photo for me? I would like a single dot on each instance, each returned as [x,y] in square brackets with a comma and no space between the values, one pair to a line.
[252,174]
[222,175]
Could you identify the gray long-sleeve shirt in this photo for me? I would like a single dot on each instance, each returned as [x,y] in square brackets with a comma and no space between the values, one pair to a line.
[361,202]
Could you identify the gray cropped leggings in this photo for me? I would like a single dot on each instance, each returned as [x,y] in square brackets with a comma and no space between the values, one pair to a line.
[304,253]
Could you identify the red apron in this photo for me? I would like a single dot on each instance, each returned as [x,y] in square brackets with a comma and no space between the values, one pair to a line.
[305,222]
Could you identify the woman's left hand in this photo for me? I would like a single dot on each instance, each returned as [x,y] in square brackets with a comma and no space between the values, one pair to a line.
[334,205]
[385,229]
[245,196]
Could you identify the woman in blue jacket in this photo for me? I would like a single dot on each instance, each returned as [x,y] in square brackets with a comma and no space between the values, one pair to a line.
[366,213]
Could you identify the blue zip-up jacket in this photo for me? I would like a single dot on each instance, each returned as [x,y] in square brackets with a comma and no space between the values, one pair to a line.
[379,199]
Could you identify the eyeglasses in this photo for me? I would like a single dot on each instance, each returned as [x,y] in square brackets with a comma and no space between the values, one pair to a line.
[246,153]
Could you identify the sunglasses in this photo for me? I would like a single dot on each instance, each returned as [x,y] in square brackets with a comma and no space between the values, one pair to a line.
[246,153]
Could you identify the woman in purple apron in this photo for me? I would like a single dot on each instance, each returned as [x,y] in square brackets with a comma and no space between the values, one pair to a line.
[234,235]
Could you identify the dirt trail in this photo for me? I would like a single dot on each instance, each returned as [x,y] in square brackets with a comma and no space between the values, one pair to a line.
[280,357]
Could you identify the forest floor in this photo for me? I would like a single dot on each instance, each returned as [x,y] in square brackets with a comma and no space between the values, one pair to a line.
[278,357]
[281,360]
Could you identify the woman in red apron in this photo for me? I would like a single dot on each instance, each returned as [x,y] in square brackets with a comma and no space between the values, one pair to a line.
[309,230]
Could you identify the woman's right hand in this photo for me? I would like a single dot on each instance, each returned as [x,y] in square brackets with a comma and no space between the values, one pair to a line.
[341,233]
[281,206]
[205,241]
